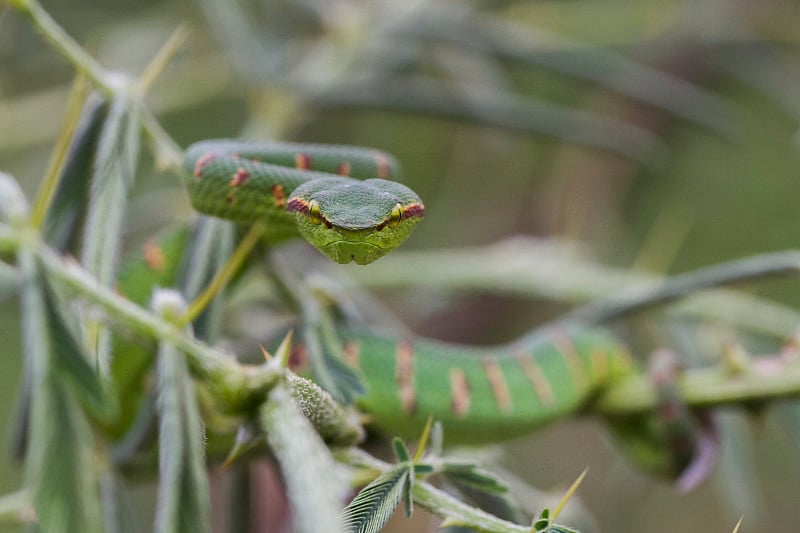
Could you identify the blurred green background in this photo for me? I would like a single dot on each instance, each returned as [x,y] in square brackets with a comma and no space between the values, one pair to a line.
[679,190]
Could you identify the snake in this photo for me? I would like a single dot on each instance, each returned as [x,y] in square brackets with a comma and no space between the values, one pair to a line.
[343,200]
[480,394]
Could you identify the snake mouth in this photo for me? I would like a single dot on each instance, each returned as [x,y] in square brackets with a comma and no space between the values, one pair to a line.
[360,252]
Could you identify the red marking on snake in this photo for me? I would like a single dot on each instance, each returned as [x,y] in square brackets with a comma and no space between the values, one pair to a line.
[384,166]
[567,348]
[404,374]
[298,358]
[459,393]
[201,162]
[302,161]
[154,256]
[297,204]
[414,210]
[498,383]
[352,353]
[344,168]
[240,177]
[541,387]
[278,195]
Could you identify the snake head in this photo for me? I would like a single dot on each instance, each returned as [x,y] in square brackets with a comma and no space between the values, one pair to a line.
[351,220]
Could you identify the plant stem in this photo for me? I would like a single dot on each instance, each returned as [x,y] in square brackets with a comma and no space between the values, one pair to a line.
[109,84]
[65,44]
[237,386]
[543,269]
[230,268]
[753,268]
[58,156]
[704,388]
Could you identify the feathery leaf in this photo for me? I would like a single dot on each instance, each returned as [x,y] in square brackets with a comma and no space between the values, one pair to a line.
[115,166]
[183,500]
[59,463]
[374,505]
[474,477]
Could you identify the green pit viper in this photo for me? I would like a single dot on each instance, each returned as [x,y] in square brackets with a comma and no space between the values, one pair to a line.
[346,219]
[480,395]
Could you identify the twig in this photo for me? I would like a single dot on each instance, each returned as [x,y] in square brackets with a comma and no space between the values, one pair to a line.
[239,386]
[58,157]
[551,270]
[65,44]
[109,84]
[453,23]
[469,103]
[228,271]
[759,267]
[703,388]
[162,58]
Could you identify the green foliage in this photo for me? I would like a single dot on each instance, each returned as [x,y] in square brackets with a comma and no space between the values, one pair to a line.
[71,199]
[59,467]
[374,504]
[183,500]
[474,477]
[441,59]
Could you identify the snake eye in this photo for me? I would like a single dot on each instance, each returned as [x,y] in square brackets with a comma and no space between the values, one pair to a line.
[314,212]
[395,216]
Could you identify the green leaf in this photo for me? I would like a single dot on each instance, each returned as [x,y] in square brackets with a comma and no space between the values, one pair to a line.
[71,198]
[207,249]
[374,505]
[543,522]
[115,167]
[59,466]
[327,366]
[474,477]
[420,469]
[183,500]
[72,363]
[400,450]
[408,487]
[560,529]
[313,485]
[348,384]
[118,509]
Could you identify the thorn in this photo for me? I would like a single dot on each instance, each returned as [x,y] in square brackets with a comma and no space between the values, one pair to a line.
[284,351]
[570,491]
[451,521]
[739,523]
[246,438]
[281,357]
[423,440]
[267,356]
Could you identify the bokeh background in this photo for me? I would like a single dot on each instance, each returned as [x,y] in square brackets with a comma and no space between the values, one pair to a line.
[653,136]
